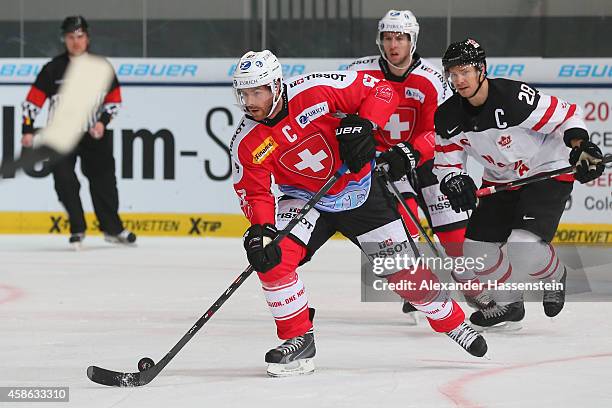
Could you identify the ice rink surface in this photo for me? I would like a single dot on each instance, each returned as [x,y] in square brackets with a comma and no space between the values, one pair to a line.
[61,311]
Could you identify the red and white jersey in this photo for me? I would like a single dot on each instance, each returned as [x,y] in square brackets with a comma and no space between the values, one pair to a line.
[517,133]
[299,147]
[421,90]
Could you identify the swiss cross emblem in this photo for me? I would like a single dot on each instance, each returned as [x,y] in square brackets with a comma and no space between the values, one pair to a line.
[504,140]
[312,158]
[400,126]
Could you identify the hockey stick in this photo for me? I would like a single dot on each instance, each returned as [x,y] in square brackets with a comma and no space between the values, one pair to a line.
[119,379]
[486,191]
[393,189]
[86,80]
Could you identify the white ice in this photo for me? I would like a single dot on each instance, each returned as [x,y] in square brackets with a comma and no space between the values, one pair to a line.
[61,311]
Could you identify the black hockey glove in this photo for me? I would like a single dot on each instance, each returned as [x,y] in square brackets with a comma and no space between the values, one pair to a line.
[357,145]
[262,255]
[401,158]
[460,191]
[587,158]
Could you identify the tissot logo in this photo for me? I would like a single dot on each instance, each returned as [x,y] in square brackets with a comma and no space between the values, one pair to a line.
[326,75]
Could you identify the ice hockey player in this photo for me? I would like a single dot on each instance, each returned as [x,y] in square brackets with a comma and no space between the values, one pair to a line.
[95,150]
[300,132]
[408,138]
[514,131]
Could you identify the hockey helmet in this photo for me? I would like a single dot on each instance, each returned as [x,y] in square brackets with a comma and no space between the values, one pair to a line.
[258,69]
[74,23]
[399,21]
[466,52]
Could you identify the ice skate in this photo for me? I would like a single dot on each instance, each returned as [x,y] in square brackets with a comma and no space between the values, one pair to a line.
[480,301]
[294,357]
[499,318]
[554,300]
[469,339]
[125,237]
[76,240]
[412,315]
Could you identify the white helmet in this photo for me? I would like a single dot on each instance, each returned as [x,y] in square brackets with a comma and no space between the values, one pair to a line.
[402,21]
[256,69]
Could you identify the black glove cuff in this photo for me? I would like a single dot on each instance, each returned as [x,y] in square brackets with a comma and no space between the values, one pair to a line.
[574,133]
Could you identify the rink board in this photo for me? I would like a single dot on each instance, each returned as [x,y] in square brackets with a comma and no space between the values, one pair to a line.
[172,135]
[222,225]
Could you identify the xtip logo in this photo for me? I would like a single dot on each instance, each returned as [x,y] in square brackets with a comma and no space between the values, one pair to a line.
[200,226]
[59,224]
[245,65]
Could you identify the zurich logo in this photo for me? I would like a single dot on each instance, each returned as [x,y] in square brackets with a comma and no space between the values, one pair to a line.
[259,64]
[395,14]
[303,119]
[245,65]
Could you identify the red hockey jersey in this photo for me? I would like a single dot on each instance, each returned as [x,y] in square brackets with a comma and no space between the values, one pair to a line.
[299,147]
[420,93]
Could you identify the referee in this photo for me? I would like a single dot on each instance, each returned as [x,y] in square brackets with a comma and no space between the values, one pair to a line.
[94,149]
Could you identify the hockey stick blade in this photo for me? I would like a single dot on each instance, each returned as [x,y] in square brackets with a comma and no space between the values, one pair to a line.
[117,379]
[486,191]
[87,79]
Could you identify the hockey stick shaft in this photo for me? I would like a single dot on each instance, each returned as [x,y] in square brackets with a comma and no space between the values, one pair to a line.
[107,377]
[486,191]
[393,190]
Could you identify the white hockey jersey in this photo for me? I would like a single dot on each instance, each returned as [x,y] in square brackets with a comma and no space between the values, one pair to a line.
[517,133]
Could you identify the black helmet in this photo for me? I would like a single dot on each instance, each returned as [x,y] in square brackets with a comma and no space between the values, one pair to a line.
[74,23]
[464,52]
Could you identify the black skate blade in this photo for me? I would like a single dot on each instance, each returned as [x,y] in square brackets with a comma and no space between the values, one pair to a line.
[116,379]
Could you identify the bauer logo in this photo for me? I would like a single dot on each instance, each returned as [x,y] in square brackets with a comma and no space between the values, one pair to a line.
[245,65]
[394,14]
[311,113]
[413,93]
[263,150]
